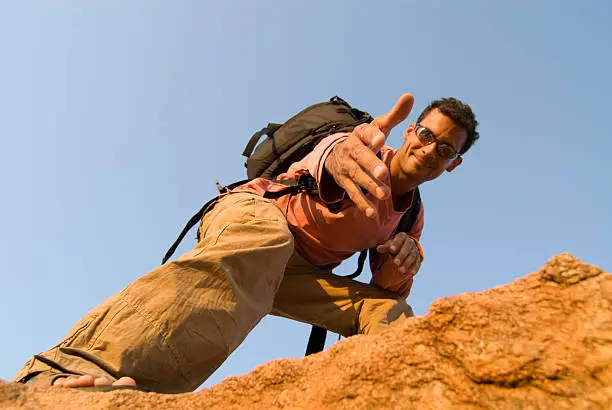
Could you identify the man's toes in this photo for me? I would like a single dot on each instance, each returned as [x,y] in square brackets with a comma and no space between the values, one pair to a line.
[125,381]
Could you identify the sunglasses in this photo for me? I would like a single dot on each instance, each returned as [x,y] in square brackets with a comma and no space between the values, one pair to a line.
[427,137]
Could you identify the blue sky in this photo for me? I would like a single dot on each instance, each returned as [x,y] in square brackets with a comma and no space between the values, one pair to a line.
[117,117]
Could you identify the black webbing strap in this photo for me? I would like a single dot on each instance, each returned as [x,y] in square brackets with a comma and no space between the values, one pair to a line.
[305,183]
[197,217]
[360,263]
[190,224]
[316,341]
[248,150]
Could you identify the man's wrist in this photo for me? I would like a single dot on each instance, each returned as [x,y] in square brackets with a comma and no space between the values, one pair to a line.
[329,191]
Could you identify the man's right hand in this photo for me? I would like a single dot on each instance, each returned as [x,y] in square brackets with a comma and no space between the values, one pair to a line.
[353,163]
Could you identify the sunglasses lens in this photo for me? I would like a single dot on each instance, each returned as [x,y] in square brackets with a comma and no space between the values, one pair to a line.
[446,151]
[426,137]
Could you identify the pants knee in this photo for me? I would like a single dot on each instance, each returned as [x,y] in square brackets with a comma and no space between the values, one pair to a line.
[377,315]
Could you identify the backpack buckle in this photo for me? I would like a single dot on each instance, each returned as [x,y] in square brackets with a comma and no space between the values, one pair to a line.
[308,183]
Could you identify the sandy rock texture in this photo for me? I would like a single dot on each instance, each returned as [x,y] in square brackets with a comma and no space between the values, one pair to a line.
[541,342]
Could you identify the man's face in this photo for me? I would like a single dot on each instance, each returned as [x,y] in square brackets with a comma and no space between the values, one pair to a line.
[422,162]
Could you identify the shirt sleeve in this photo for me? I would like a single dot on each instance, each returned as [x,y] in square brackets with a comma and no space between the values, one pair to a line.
[314,164]
[386,275]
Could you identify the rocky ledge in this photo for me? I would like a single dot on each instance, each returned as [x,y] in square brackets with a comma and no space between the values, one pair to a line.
[541,342]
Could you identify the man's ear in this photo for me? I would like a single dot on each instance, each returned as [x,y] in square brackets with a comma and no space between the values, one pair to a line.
[408,131]
[456,162]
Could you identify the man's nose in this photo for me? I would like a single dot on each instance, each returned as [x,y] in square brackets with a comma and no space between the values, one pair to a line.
[430,151]
[430,155]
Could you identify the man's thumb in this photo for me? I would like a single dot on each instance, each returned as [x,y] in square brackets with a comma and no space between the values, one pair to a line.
[398,113]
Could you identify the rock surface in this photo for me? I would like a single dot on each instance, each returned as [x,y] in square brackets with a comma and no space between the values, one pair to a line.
[541,342]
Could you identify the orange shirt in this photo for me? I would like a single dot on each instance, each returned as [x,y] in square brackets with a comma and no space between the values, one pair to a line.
[326,238]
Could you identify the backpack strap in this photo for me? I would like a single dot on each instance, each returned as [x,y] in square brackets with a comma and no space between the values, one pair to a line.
[316,341]
[268,130]
[409,218]
[195,219]
[360,263]
[305,182]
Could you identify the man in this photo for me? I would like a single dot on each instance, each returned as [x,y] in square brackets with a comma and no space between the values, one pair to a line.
[170,329]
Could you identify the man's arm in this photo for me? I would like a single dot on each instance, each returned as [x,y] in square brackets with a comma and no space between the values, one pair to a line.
[395,262]
[352,164]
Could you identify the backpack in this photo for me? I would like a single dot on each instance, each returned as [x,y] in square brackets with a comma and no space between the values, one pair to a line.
[288,143]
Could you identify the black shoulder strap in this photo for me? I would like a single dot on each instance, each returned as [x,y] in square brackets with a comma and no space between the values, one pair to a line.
[360,263]
[316,342]
[409,218]
[197,217]
[190,224]
[304,183]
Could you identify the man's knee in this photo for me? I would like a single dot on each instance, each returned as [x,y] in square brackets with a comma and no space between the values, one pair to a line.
[399,311]
[377,314]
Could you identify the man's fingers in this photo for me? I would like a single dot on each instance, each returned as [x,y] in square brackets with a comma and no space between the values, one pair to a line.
[371,136]
[102,381]
[360,167]
[401,251]
[354,192]
[81,381]
[356,179]
[374,170]
[397,242]
[384,248]
[396,115]
[370,179]
[407,254]
[353,163]
[407,258]
[59,382]
[125,381]
[404,251]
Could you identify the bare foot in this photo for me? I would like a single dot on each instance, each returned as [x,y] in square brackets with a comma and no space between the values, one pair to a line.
[87,381]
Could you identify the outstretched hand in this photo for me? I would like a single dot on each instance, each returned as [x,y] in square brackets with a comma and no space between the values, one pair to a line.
[353,163]
[405,252]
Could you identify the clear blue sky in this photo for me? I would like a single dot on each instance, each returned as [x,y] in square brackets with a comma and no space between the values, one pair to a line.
[117,117]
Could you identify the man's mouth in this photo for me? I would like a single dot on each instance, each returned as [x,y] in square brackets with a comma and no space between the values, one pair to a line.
[420,163]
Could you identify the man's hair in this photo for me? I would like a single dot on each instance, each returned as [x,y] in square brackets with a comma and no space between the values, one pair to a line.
[460,113]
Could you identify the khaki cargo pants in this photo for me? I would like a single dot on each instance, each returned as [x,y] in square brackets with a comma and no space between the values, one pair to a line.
[171,328]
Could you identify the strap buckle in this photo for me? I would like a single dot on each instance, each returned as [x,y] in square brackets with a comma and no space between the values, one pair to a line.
[308,183]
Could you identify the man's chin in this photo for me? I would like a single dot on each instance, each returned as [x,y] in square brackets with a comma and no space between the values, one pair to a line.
[413,174]
[418,165]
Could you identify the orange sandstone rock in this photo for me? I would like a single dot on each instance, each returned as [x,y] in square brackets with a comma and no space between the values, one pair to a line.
[541,342]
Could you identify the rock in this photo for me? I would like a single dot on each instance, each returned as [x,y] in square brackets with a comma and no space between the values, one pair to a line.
[541,342]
